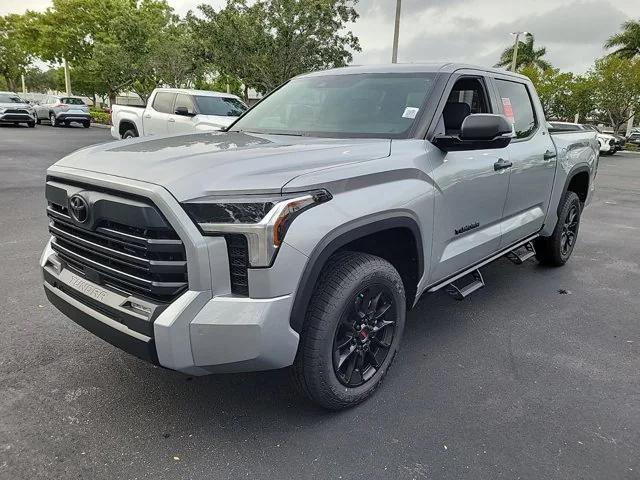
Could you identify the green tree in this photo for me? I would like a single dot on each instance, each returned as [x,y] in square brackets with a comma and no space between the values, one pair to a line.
[627,42]
[267,42]
[616,86]
[14,54]
[40,80]
[562,94]
[528,56]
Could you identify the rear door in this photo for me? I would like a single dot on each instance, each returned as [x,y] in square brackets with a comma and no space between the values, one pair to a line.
[533,156]
[182,123]
[471,191]
[155,119]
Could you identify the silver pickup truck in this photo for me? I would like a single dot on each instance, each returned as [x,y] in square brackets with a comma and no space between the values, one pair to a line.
[302,235]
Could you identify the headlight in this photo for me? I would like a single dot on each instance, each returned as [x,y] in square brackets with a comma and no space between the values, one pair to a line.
[263,220]
[2,110]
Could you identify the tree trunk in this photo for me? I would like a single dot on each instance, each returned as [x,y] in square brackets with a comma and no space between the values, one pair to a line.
[246,94]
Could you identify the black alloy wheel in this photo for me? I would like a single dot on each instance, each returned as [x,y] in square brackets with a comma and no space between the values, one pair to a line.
[569,230]
[364,336]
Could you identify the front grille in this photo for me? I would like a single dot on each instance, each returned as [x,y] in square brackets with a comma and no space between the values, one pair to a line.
[238,252]
[133,259]
[16,110]
[14,117]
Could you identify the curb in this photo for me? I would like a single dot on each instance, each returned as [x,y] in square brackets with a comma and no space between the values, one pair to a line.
[100,125]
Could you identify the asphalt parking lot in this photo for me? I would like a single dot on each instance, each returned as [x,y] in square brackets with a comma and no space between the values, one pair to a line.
[518,381]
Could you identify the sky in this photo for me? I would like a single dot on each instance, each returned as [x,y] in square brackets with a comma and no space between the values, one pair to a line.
[471,31]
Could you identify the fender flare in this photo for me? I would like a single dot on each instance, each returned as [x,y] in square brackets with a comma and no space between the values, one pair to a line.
[340,237]
[131,122]
[572,173]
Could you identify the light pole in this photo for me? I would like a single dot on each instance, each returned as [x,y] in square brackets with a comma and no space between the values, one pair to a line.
[396,33]
[514,58]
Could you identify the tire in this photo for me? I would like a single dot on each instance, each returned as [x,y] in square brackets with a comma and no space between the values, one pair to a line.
[557,249]
[52,119]
[86,124]
[31,124]
[131,133]
[335,374]
[38,121]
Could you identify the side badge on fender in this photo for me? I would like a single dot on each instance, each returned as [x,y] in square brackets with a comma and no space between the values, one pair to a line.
[466,228]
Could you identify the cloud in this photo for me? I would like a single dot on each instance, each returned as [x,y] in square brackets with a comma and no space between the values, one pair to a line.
[572,33]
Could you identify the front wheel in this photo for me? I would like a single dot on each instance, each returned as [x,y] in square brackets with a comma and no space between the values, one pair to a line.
[556,249]
[352,330]
[86,124]
[52,120]
[31,124]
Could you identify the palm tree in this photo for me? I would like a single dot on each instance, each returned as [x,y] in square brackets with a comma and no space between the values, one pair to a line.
[528,56]
[628,40]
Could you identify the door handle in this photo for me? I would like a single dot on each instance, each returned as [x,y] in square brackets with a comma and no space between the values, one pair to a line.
[172,120]
[548,155]
[501,164]
[147,116]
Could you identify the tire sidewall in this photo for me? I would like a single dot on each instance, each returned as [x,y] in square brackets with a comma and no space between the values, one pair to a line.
[345,301]
[129,134]
[569,200]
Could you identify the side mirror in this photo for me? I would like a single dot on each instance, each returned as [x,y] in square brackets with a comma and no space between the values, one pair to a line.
[478,131]
[183,111]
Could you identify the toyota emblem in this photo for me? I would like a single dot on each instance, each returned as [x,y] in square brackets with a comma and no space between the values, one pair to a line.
[79,208]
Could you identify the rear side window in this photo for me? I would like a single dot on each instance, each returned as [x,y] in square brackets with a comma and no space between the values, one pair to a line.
[163,102]
[517,107]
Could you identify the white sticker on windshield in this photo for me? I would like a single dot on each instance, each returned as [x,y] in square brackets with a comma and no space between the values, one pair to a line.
[410,112]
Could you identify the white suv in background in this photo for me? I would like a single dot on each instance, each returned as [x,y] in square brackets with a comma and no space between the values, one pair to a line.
[174,111]
[62,110]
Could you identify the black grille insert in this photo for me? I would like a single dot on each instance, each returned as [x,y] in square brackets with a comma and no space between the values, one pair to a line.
[238,252]
[150,262]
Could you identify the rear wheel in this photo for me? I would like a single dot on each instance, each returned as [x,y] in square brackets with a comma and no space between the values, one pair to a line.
[556,249]
[31,124]
[352,331]
[129,133]
[86,124]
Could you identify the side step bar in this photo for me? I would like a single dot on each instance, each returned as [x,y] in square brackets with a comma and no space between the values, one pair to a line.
[521,254]
[443,283]
[461,290]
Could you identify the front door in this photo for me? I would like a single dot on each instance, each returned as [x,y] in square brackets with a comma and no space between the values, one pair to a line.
[182,123]
[471,190]
[533,156]
[155,119]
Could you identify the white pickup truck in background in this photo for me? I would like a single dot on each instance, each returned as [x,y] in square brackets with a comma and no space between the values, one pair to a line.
[174,110]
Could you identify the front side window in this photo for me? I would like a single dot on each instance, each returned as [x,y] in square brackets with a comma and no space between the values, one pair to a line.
[184,101]
[517,107]
[467,97]
[163,102]
[223,106]
[382,105]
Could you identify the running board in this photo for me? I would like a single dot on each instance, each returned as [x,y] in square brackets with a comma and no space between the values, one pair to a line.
[443,283]
[521,254]
[461,290]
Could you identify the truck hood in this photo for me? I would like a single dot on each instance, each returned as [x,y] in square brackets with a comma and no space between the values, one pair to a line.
[216,121]
[15,105]
[192,166]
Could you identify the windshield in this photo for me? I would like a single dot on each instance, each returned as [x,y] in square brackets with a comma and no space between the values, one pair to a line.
[223,106]
[71,101]
[9,98]
[357,105]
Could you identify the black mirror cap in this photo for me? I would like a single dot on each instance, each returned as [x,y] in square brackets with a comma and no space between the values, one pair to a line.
[183,111]
[485,127]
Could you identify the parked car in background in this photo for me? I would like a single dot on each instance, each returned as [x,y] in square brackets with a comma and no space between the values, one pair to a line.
[14,109]
[634,138]
[302,234]
[176,110]
[620,140]
[63,110]
[608,143]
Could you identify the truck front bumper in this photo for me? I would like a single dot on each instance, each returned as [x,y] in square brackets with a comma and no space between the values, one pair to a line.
[204,330]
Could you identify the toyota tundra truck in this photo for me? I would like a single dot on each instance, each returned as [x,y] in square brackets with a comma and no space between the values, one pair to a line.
[302,235]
